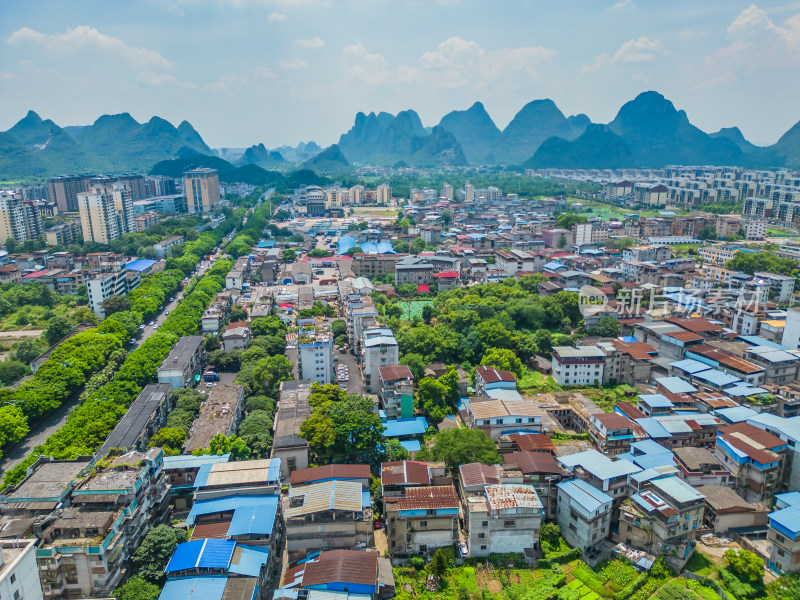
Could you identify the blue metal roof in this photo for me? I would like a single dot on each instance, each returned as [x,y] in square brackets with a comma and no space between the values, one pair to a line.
[678,489]
[757,340]
[140,265]
[656,400]
[258,519]
[689,366]
[227,503]
[588,496]
[366,498]
[401,427]
[248,560]
[717,377]
[345,243]
[653,428]
[599,465]
[187,461]
[201,479]
[411,445]
[734,414]
[206,553]
[554,266]
[210,587]
[676,385]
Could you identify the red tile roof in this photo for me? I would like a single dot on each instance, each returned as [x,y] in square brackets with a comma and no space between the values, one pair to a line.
[614,420]
[493,375]
[759,436]
[534,462]
[684,336]
[533,441]
[301,476]
[211,530]
[395,373]
[636,350]
[630,410]
[405,472]
[474,474]
[429,497]
[342,566]
[696,324]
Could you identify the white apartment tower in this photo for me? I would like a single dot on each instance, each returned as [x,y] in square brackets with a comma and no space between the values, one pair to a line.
[447,191]
[19,577]
[384,194]
[12,223]
[469,192]
[106,213]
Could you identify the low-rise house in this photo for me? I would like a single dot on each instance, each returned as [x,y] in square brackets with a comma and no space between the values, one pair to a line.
[584,516]
[541,470]
[755,458]
[784,533]
[328,515]
[359,473]
[221,412]
[726,510]
[491,378]
[578,366]
[399,476]
[503,518]
[662,519]
[609,476]
[339,574]
[241,477]
[698,467]
[499,417]
[236,335]
[397,391]
[612,432]
[424,519]
[184,363]
[181,471]
[293,408]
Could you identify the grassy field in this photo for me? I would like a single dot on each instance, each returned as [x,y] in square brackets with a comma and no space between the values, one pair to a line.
[608,211]
[381,211]
[413,309]
[36,317]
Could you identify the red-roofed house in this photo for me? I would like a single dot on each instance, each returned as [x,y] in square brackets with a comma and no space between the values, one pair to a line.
[236,335]
[756,458]
[612,432]
[425,519]
[491,378]
[447,280]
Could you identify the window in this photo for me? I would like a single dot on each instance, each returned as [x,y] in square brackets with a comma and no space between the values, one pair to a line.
[13,577]
[481,536]
[16,595]
[485,524]
[483,547]
[509,524]
[423,523]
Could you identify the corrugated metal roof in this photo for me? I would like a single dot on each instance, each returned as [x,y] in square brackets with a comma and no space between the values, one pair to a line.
[207,553]
[676,385]
[248,560]
[313,474]
[342,566]
[229,503]
[598,464]
[255,520]
[511,495]
[326,495]
[588,496]
[194,588]
[405,472]
[400,427]
[429,497]
[678,489]
[242,472]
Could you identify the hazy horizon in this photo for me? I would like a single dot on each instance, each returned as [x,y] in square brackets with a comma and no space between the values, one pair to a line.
[277,72]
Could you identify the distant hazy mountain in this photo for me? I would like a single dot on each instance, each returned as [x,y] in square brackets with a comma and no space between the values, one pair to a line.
[113,143]
[785,153]
[385,139]
[737,137]
[331,159]
[259,155]
[475,131]
[597,145]
[533,124]
[300,153]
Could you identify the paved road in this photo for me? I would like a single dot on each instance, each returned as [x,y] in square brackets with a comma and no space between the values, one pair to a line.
[52,422]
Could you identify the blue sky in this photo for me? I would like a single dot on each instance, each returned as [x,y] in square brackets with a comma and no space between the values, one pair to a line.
[282,71]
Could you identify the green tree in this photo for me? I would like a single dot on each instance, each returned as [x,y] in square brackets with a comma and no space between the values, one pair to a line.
[401,246]
[212,342]
[746,565]
[459,446]
[319,253]
[13,425]
[427,313]
[450,382]
[288,255]
[237,314]
[355,250]
[153,554]
[416,363]
[567,220]
[750,263]
[57,328]
[562,242]
[431,399]
[269,372]
[503,359]
[169,438]
[272,325]
[338,327]
[708,232]
[11,371]
[418,245]
[439,564]
[115,304]
[606,327]
[137,588]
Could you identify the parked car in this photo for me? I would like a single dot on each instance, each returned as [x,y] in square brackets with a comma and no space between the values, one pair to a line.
[462,549]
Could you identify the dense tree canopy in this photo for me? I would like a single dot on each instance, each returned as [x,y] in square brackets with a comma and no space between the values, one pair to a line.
[752,262]
[460,446]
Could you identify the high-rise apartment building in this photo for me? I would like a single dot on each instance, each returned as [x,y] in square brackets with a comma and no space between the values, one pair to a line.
[136,184]
[447,191]
[384,193]
[469,193]
[64,190]
[18,219]
[201,187]
[106,213]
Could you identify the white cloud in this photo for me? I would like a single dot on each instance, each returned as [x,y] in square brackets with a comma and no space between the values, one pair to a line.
[756,42]
[361,64]
[158,79]
[686,35]
[276,16]
[314,42]
[232,83]
[621,5]
[294,64]
[85,37]
[637,50]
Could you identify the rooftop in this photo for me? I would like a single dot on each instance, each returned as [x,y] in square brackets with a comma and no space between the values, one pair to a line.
[48,482]
[479,474]
[494,375]
[313,474]
[588,496]
[325,495]
[293,409]
[182,353]
[405,472]
[677,489]
[724,499]
[429,497]
[342,566]
[217,414]
[508,495]
[136,418]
